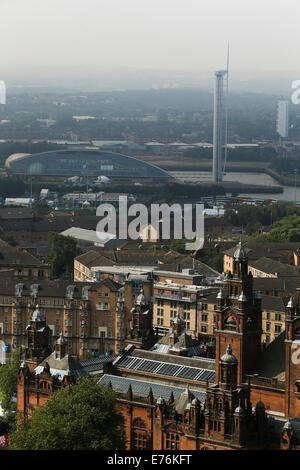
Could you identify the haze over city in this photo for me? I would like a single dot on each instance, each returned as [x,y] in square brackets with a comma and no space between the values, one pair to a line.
[117,44]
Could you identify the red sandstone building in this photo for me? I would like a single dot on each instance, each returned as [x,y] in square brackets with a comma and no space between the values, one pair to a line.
[247,398]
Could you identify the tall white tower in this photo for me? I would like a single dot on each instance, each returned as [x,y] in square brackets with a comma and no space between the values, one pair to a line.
[283,118]
[218,126]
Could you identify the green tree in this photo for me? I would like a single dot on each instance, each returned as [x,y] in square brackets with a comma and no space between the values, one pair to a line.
[82,416]
[284,230]
[9,381]
[63,252]
[178,245]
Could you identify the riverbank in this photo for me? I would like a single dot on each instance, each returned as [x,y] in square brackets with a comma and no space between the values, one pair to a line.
[174,163]
[284,193]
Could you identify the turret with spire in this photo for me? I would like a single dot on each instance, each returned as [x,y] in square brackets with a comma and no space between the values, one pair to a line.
[141,332]
[38,338]
[60,347]
[239,317]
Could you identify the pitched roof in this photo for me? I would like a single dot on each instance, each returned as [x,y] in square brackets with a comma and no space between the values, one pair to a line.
[271,250]
[183,341]
[167,261]
[10,256]
[60,367]
[95,365]
[275,304]
[271,266]
[287,284]
[142,387]
[271,362]
[164,369]
[8,213]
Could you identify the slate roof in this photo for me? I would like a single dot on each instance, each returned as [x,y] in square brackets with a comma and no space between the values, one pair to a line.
[183,341]
[166,261]
[142,388]
[10,256]
[271,266]
[8,213]
[275,304]
[287,284]
[93,366]
[271,250]
[271,362]
[60,367]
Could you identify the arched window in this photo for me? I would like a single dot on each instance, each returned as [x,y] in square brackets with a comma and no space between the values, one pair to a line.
[218,405]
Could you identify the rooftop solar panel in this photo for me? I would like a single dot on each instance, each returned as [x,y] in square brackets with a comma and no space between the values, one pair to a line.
[188,373]
[166,369]
[204,375]
[148,366]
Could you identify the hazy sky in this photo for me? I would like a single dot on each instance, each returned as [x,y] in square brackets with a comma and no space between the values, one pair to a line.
[264,35]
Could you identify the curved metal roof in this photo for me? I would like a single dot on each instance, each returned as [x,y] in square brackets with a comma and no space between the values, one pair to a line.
[82,162]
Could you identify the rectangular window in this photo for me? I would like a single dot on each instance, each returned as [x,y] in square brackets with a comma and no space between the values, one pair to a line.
[172,441]
[139,440]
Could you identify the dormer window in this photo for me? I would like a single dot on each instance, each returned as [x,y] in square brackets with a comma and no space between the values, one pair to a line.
[230,323]
[297,386]
[18,290]
[34,288]
[85,293]
[70,292]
